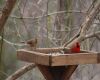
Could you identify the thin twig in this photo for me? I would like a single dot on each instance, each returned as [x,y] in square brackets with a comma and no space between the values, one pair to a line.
[23,20]
[59,12]
[94,34]
[11,43]
[2,72]
[97,37]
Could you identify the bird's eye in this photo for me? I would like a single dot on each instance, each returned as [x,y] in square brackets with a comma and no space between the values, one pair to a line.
[78,45]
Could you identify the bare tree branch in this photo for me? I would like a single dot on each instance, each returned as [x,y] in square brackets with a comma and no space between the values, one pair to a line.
[21,71]
[6,12]
[89,18]
[95,34]
[13,44]
[97,37]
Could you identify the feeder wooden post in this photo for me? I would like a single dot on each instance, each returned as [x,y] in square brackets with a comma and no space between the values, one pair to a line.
[44,70]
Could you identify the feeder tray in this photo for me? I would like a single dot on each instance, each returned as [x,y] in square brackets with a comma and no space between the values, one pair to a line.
[55,65]
[58,59]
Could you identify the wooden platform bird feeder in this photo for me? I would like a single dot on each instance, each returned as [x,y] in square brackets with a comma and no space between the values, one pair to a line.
[53,64]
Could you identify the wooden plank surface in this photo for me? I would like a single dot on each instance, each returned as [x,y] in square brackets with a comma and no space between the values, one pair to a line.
[58,59]
[75,59]
[34,57]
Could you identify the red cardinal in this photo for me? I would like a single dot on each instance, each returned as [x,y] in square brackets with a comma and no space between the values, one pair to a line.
[75,48]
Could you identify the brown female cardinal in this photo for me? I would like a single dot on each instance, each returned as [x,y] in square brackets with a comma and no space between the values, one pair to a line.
[75,48]
[32,43]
